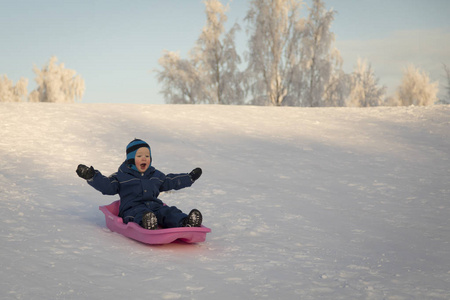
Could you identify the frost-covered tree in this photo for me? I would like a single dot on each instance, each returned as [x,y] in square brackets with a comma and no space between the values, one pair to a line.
[57,84]
[10,92]
[292,60]
[364,88]
[211,73]
[274,57]
[416,88]
[215,55]
[180,79]
[321,62]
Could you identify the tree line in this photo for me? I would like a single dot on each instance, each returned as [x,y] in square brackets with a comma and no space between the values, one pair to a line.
[291,60]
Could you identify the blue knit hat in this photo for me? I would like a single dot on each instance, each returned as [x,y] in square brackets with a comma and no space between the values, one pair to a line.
[132,148]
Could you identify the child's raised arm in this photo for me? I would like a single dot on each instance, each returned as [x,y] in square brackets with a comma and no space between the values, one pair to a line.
[106,185]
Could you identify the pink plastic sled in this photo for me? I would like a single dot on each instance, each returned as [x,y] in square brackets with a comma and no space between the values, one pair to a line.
[154,237]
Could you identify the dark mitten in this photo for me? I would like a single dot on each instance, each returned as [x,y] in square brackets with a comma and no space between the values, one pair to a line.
[85,172]
[195,174]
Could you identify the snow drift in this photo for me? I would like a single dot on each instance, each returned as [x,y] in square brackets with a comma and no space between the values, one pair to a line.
[303,203]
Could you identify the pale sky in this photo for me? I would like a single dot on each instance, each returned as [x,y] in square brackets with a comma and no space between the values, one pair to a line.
[114,45]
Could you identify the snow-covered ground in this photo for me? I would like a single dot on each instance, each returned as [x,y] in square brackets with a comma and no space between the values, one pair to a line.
[303,203]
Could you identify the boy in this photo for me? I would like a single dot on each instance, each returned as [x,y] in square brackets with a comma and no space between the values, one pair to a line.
[139,184]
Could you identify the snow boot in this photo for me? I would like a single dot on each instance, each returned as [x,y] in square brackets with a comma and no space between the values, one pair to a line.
[194,219]
[149,221]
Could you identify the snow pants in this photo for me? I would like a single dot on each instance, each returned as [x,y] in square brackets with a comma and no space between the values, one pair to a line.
[168,216]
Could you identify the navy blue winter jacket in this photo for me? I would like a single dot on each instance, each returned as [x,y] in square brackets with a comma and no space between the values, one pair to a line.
[135,188]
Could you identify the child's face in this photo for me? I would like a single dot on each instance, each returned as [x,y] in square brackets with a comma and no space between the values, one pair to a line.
[142,159]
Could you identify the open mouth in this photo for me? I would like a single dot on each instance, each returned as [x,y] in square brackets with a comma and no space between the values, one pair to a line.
[143,166]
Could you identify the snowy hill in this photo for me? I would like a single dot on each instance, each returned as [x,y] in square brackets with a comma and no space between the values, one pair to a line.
[326,203]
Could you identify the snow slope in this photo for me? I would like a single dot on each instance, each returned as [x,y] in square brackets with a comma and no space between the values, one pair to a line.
[303,203]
